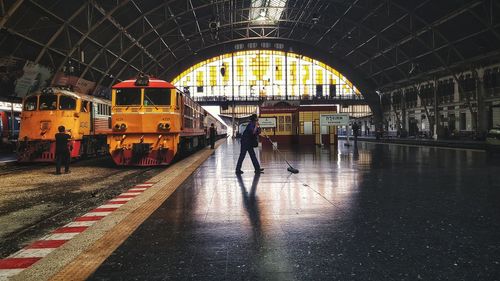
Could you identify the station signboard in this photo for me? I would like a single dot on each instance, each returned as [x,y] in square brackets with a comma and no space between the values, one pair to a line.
[340,119]
[267,122]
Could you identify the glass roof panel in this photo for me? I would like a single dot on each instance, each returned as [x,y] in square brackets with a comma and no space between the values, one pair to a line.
[266,11]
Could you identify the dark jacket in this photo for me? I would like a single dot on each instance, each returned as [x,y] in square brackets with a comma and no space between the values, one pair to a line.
[249,136]
[62,140]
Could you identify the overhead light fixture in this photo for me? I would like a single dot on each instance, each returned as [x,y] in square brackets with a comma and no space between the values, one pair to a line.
[315,18]
[214,26]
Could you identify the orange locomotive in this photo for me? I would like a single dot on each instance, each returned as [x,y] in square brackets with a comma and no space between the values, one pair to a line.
[87,118]
[153,121]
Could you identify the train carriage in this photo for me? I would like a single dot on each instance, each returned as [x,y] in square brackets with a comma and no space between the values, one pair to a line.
[86,117]
[152,122]
[9,124]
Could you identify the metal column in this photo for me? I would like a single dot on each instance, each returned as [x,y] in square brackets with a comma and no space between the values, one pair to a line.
[233,103]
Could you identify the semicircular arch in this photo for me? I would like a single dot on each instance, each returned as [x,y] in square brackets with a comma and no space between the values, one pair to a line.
[364,86]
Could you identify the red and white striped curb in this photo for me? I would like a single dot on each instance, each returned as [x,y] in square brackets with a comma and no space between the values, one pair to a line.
[29,255]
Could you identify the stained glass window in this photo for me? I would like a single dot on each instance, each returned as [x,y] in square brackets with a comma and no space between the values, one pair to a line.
[257,73]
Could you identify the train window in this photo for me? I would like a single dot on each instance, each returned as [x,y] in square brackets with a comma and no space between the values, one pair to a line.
[48,102]
[84,108]
[157,96]
[30,103]
[130,96]
[67,103]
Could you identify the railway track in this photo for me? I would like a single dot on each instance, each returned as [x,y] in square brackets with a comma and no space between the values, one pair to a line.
[70,201]
[24,167]
[15,168]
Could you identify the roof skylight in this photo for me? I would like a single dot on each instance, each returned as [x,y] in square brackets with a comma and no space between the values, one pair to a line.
[265,11]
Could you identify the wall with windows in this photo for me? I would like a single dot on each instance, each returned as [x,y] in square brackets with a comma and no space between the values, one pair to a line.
[256,73]
[465,104]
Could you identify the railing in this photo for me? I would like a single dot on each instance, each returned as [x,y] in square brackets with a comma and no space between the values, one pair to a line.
[277,98]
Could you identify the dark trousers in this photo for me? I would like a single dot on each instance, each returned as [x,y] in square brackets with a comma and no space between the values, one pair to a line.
[62,158]
[243,153]
[212,142]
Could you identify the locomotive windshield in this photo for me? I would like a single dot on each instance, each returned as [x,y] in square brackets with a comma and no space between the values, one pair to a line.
[130,96]
[30,103]
[67,103]
[156,96]
[48,102]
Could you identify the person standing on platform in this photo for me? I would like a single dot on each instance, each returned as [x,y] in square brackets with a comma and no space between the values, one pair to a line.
[213,132]
[248,142]
[355,132]
[62,150]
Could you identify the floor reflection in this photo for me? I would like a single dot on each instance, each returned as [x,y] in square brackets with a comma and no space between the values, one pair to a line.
[360,212]
[251,204]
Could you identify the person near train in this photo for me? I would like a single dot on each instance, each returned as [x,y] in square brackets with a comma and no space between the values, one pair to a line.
[213,133]
[249,140]
[63,149]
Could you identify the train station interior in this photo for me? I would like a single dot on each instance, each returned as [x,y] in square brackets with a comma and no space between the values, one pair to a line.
[249,140]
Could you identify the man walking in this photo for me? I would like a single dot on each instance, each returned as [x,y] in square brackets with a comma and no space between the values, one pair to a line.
[248,142]
[62,150]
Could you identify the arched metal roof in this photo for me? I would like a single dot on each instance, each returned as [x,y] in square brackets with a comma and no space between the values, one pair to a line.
[384,43]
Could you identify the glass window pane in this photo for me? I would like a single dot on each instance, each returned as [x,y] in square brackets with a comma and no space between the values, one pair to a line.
[128,96]
[155,97]
[48,102]
[30,103]
[67,103]
[84,106]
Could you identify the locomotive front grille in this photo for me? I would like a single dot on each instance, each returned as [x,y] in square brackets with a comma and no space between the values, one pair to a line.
[140,149]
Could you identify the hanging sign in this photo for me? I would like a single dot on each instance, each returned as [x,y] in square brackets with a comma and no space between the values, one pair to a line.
[341,119]
[267,122]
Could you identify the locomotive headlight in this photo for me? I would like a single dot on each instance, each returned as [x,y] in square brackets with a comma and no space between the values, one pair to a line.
[163,126]
[120,127]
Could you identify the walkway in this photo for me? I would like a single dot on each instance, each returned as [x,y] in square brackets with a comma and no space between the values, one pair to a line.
[383,213]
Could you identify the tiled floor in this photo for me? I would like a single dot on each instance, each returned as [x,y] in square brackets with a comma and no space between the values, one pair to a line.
[381,212]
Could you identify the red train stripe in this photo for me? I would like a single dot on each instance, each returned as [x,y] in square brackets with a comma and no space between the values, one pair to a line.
[43,244]
[70,229]
[13,263]
[90,218]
